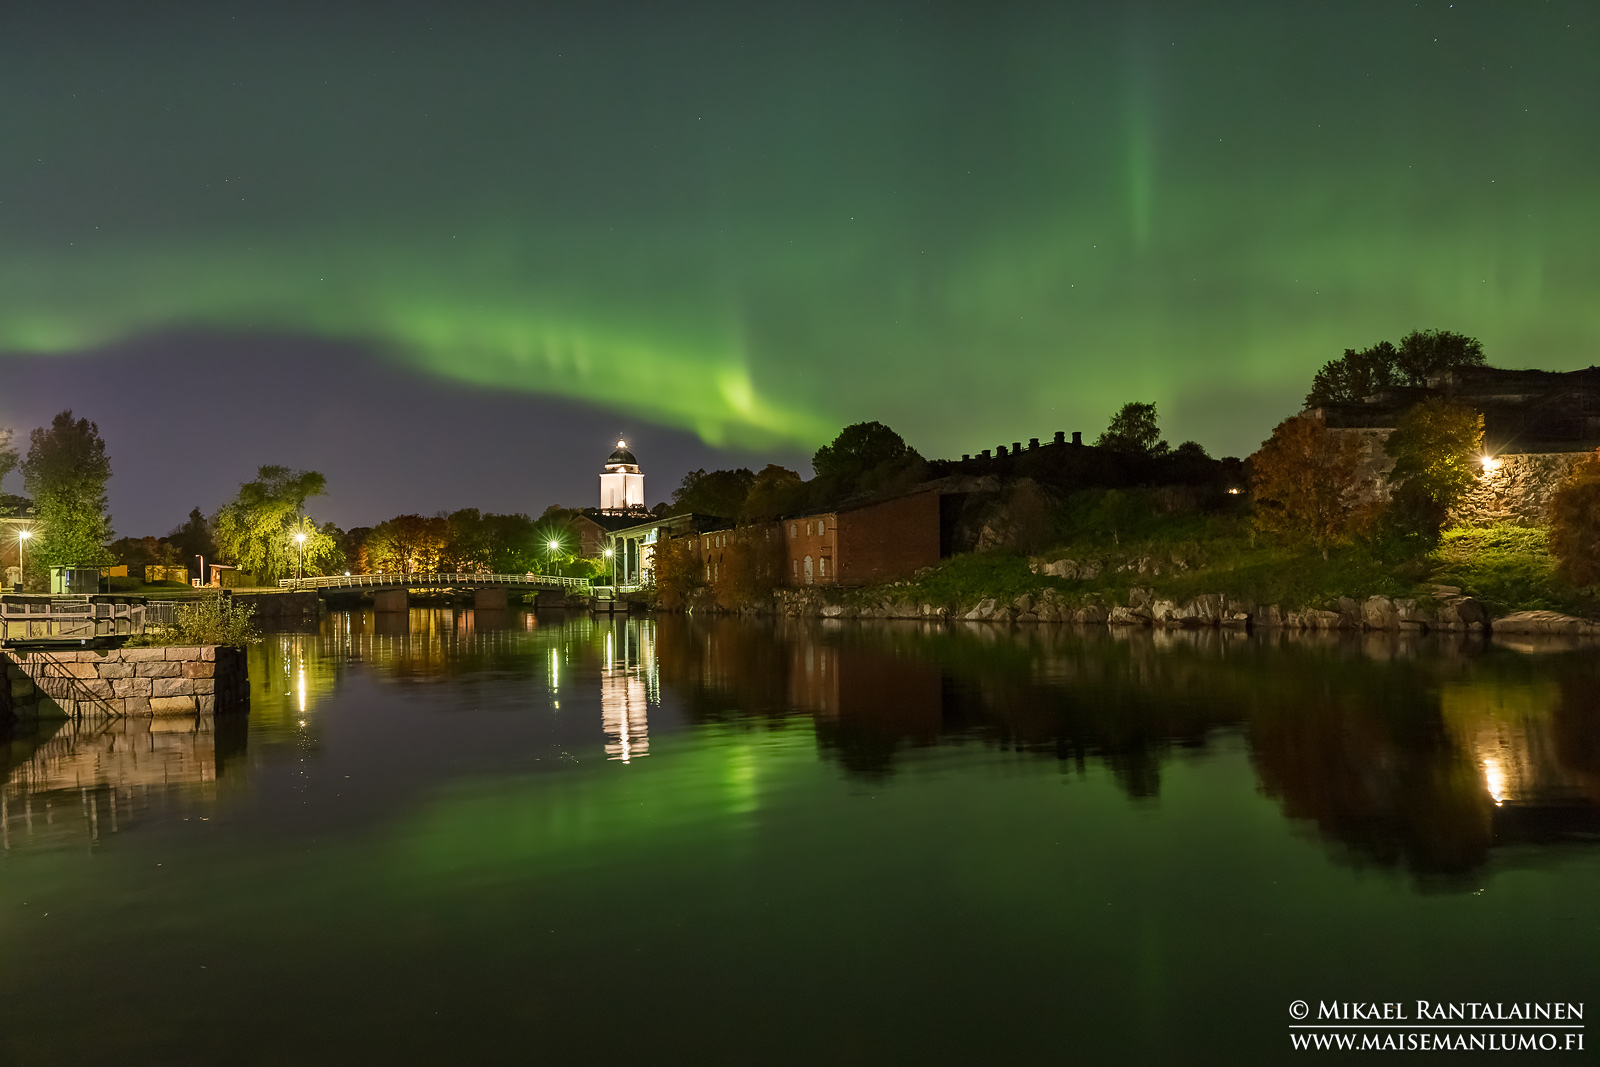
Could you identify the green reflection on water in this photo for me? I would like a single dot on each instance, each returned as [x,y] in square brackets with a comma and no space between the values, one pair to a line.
[684,837]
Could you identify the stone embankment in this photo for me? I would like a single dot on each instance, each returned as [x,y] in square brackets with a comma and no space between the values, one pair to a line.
[1446,610]
[132,682]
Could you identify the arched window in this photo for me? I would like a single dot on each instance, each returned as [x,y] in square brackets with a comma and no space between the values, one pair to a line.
[808,570]
[822,566]
[793,530]
[796,567]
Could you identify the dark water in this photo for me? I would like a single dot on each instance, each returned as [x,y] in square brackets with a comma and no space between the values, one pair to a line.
[515,840]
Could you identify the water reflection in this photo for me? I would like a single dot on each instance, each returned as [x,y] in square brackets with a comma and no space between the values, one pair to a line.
[66,782]
[1428,755]
[1433,756]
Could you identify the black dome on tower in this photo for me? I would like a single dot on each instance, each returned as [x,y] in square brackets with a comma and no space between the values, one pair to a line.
[622,455]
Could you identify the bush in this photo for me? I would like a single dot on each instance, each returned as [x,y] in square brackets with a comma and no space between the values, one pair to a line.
[1575,523]
[210,619]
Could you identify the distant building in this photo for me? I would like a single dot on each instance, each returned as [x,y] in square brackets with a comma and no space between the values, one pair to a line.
[622,483]
[852,545]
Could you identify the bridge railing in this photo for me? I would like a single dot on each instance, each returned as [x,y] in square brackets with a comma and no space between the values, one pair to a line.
[424,581]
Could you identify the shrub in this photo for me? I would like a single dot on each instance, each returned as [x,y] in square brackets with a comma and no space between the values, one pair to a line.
[210,619]
[1575,523]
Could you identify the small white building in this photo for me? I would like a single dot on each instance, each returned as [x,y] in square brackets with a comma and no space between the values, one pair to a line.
[622,483]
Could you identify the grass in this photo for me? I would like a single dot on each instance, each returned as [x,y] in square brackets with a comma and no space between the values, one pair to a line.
[1508,567]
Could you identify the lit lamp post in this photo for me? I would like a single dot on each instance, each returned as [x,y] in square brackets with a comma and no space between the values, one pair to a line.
[609,554]
[22,570]
[300,569]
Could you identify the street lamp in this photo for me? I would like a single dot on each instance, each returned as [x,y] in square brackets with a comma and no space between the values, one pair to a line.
[22,571]
[300,570]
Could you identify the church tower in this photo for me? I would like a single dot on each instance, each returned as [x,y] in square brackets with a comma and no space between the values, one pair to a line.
[621,484]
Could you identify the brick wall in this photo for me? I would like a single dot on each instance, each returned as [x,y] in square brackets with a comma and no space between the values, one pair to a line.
[139,682]
[888,540]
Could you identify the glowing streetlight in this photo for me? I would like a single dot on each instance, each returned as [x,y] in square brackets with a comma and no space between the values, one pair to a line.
[22,539]
[1490,464]
[300,569]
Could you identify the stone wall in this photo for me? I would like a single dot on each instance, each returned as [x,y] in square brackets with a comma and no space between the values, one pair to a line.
[108,683]
[1517,490]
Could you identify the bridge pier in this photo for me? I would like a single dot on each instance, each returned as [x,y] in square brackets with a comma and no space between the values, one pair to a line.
[391,600]
[490,599]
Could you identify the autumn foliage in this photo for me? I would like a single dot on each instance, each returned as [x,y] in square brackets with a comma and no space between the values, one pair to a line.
[1575,523]
[678,575]
[1310,485]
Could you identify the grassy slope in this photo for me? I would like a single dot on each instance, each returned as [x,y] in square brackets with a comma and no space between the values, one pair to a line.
[1510,568]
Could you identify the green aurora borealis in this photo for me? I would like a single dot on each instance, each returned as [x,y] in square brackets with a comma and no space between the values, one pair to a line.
[973,222]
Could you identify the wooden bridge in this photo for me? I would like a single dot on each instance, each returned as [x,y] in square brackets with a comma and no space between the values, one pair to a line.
[391,591]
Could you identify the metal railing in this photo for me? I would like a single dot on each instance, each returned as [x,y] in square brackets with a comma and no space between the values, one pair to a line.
[67,618]
[434,581]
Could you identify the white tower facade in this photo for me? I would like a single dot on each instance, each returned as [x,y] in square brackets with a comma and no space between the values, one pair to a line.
[622,483]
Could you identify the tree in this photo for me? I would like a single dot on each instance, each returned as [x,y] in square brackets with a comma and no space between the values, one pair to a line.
[1310,485]
[1574,512]
[255,529]
[407,544]
[1354,375]
[677,571]
[720,493]
[8,454]
[776,490]
[1133,432]
[1422,354]
[66,473]
[861,449]
[1435,446]
[1425,353]
[193,539]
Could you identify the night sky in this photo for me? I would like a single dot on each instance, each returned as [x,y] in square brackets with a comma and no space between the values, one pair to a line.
[445,253]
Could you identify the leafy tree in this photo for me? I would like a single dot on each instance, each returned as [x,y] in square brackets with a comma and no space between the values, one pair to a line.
[321,551]
[66,473]
[8,454]
[1310,486]
[1354,375]
[1424,353]
[720,493]
[774,491]
[255,530]
[859,450]
[1574,513]
[407,544]
[677,572]
[193,539]
[1133,431]
[1435,447]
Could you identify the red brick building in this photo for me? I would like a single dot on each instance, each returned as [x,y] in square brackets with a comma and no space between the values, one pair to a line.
[860,545]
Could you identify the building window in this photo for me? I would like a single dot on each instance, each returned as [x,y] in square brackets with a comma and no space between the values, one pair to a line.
[793,530]
[822,566]
[796,567]
[808,570]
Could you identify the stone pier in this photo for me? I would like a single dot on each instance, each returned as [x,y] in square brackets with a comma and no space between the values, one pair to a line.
[492,599]
[84,684]
[391,600]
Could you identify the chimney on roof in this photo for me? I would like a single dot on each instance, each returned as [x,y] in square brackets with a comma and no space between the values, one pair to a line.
[1077,439]
[1061,438]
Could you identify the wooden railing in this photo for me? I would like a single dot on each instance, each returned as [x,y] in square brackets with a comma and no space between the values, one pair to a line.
[435,581]
[67,618]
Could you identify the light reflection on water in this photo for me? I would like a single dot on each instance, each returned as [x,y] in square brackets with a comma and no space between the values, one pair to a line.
[625,799]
